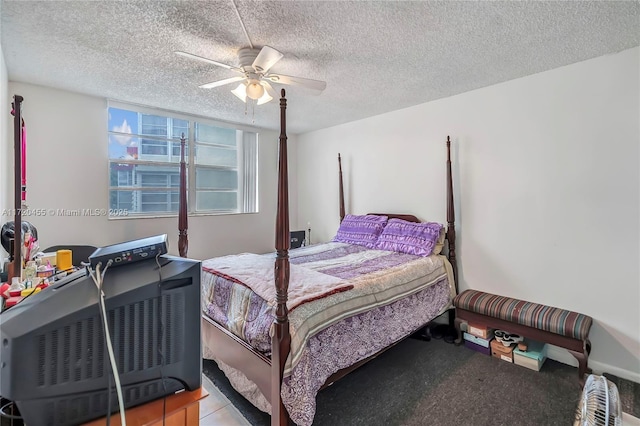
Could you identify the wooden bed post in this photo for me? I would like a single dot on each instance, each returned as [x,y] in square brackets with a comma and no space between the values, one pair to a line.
[451,238]
[183,240]
[451,217]
[16,266]
[281,340]
[341,188]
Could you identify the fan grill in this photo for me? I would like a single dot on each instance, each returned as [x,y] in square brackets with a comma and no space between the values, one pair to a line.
[599,403]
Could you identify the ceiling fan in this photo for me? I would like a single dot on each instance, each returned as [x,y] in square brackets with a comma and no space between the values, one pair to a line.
[254,67]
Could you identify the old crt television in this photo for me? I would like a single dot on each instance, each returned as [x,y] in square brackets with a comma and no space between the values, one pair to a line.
[54,363]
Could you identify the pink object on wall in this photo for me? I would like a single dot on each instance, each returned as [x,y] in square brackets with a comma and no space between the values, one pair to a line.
[24,161]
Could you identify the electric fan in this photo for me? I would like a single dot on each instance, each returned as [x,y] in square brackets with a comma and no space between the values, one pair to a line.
[599,403]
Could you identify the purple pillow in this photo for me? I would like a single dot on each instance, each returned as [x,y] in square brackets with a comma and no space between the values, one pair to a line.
[361,230]
[409,237]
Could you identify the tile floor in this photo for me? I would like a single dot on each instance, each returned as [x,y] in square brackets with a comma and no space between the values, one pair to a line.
[216,410]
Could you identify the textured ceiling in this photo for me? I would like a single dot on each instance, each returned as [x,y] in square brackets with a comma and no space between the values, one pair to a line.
[375,56]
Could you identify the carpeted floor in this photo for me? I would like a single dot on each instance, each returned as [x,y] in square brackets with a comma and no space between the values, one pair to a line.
[435,383]
[629,394]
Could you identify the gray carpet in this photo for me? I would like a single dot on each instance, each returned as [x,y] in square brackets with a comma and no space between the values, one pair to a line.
[435,383]
[629,394]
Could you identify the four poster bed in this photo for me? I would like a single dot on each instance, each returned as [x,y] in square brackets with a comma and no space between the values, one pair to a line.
[284,326]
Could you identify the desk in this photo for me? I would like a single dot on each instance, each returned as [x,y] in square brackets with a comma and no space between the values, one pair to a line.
[182,409]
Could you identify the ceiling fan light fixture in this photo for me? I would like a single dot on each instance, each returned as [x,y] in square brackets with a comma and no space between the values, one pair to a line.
[264,98]
[241,92]
[254,90]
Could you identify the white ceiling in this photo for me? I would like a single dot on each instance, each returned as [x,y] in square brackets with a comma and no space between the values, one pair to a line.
[375,56]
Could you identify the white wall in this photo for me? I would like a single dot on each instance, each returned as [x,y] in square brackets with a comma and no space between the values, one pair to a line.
[68,169]
[546,187]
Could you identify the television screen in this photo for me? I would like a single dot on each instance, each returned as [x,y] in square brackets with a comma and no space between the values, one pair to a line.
[54,361]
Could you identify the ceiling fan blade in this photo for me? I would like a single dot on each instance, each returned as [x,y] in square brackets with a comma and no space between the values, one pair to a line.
[267,57]
[297,81]
[221,82]
[269,89]
[207,60]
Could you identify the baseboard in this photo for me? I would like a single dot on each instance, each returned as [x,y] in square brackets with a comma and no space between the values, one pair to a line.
[562,355]
[600,367]
[629,420]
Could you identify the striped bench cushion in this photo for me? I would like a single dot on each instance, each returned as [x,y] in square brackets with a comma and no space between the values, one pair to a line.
[554,320]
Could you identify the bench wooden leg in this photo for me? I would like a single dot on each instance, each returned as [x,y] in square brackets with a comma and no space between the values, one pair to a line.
[583,361]
[457,323]
[582,365]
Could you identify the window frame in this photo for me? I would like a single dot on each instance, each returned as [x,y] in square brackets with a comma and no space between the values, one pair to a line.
[190,160]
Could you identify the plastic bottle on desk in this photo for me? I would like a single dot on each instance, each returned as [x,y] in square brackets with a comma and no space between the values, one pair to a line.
[30,271]
[16,285]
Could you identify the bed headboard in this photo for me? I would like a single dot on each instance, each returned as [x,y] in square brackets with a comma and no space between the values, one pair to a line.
[407,217]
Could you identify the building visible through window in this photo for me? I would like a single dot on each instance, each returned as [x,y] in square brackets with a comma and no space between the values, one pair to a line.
[144,159]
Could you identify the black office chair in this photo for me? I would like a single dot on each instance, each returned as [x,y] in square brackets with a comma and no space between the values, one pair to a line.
[79,253]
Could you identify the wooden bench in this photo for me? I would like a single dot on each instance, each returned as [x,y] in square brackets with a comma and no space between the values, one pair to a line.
[559,327]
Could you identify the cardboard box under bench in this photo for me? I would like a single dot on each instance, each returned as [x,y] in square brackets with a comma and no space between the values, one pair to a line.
[498,350]
[480,330]
[533,357]
[477,343]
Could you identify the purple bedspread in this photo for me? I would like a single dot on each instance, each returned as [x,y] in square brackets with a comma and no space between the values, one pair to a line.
[352,340]
[345,340]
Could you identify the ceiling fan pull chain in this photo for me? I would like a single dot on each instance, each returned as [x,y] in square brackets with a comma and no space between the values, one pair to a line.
[253,113]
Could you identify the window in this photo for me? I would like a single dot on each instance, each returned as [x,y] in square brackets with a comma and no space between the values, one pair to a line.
[144,164]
